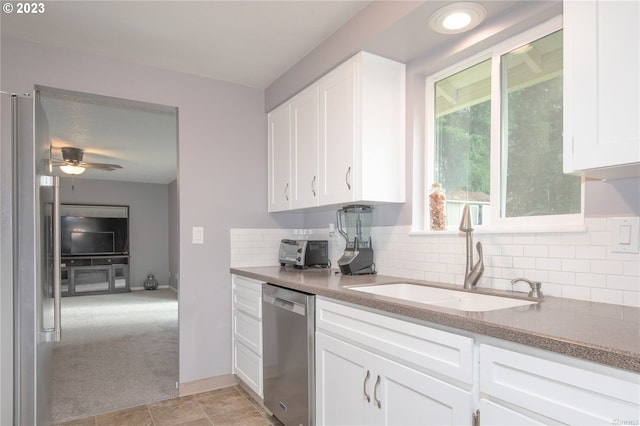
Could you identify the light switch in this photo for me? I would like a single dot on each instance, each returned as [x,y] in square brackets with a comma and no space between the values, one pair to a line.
[625,234]
[197,235]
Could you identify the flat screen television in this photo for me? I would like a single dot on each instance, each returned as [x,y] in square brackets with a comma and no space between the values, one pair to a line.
[92,243]
[91,236]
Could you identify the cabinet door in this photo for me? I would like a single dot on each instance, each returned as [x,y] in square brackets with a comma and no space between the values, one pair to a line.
[338,135]
[279,153]
[342,384]
[305,128]
[602,51]
[410,397]
[120,277]
[248,367]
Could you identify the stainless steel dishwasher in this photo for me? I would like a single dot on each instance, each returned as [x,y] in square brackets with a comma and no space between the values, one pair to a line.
[288,324]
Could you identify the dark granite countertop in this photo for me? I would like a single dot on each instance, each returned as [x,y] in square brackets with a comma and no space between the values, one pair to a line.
[604,333]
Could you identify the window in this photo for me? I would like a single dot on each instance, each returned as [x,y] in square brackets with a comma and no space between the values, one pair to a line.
[494,136]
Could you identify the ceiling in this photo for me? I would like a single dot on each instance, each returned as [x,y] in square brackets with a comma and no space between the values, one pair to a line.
[250,43]
[245,42]
[139,136]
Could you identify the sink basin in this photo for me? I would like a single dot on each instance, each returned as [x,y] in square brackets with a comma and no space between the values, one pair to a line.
[452,299]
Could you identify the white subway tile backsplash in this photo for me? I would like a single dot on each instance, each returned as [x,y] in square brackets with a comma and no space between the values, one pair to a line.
[591,252]
[576,265]
[623,282]
[630,268]
[563,252]
[607,267]
[548,264]
[608,296]
[524,262]
[599,238]
[562,278]
[576,292]
[585,279]
[536,251]
[631,298]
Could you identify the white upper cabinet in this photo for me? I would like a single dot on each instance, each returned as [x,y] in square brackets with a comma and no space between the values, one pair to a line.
[347,134]
[338,98]
[602,83]
[362,137]
[279,152]
[305,136]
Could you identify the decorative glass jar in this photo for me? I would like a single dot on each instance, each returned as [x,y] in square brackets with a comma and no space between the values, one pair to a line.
[150,283]
[437,208]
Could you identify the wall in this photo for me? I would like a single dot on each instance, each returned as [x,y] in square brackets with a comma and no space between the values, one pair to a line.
[222,175]
[148,220]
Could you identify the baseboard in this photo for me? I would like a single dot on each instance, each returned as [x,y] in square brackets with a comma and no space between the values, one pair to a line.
[208,384]
[138,288]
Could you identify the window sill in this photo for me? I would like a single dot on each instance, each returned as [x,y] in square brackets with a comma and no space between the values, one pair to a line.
[504,230]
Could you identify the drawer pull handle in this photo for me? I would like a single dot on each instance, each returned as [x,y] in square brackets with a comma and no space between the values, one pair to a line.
[366,379]
[375,393]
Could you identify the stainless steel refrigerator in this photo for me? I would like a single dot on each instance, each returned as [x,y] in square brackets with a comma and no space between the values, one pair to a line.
[31,261]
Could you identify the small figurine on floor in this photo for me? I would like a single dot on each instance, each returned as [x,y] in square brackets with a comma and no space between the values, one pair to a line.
[150,283]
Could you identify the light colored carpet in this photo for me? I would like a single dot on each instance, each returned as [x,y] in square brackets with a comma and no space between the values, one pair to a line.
[117,351]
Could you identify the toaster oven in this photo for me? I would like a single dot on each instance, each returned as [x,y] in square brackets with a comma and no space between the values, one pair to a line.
[304,253]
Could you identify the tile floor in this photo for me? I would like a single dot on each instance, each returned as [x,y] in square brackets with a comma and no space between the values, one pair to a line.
[228,406]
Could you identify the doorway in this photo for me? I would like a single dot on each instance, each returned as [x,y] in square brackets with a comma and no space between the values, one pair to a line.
[117,350]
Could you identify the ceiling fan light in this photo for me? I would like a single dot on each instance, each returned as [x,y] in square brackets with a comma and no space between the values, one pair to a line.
[72,170]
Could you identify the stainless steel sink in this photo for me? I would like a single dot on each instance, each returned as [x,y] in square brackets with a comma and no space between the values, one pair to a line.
[452,299]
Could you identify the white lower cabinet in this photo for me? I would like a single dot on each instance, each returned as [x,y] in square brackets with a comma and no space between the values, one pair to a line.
[247,331]
[359,383]
[546,388]
[378,369]
[357,387]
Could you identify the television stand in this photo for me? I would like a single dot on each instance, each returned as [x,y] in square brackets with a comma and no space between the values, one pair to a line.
[94,275]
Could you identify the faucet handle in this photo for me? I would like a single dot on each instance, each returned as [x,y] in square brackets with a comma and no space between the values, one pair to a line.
[536,287]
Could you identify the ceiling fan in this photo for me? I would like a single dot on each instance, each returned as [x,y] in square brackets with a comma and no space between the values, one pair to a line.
[72,163]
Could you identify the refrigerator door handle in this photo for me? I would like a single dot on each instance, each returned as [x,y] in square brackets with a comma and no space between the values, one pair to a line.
[54,334]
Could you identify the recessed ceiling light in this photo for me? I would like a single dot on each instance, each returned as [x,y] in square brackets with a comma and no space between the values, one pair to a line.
[457,17]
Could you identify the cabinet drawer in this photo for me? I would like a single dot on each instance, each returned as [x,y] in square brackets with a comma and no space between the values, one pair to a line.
[247,296]
[564,392]
[248,330]
[248,367]
[76,262]
[424,347]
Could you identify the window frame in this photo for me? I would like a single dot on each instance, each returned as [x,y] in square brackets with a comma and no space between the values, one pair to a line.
[425,177]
